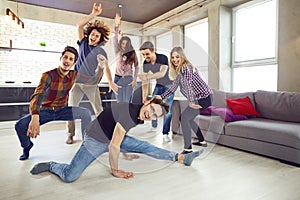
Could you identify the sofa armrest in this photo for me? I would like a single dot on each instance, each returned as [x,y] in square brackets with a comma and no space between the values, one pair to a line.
[178,106]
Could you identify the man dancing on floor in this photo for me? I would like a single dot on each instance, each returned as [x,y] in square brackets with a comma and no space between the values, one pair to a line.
[107,133]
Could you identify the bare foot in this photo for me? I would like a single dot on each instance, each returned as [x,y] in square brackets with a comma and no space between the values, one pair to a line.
[70,140]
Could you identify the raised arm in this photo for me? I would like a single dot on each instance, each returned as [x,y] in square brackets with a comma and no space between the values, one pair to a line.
[117,29]
[80,25]
[114,152]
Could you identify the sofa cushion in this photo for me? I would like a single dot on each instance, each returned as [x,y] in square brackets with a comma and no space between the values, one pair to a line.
[242,106]
[208,110]
[227,115]
[219,97]
[266,130]
[283,106]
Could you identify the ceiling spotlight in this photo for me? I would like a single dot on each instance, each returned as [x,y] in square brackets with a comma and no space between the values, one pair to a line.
[121,9]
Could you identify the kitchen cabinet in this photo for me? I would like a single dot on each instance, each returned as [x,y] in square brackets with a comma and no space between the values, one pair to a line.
[14,100]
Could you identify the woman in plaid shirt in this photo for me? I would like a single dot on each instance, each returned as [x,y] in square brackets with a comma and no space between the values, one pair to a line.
[194,88]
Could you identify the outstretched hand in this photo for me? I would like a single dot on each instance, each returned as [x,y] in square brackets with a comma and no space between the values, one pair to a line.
[97,9]
[143,77]
[147,101]
[133,84]
[114,87]
[102,61]
[34,127]
[195,106]
[117,20]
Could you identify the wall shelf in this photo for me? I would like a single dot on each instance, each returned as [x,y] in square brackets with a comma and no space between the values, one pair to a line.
[23,49]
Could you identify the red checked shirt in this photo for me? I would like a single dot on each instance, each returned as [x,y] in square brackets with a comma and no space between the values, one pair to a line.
[192,86]
[52,91]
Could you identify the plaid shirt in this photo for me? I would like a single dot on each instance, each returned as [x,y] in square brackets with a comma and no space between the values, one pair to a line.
[192,86]
[52,91]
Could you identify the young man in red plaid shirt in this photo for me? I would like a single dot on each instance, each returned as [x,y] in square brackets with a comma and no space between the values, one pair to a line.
[49,102]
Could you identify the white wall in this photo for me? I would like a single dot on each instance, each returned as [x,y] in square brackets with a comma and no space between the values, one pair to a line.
[54,27]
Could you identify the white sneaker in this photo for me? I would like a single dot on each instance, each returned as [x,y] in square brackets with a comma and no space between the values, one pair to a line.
[153,129]
[166,138]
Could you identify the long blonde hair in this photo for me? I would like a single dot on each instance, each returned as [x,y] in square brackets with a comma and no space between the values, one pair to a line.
[183,62]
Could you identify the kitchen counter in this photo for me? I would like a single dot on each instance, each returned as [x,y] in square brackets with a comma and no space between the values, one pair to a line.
[14,99]
[29,85]
[17,85]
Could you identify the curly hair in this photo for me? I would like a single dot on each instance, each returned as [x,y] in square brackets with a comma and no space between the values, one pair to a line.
[101,28]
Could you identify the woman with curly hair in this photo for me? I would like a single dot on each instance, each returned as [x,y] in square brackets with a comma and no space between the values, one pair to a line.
[91,64]
[125,76]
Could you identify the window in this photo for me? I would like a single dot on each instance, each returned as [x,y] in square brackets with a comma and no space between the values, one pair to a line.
[255,46]
[164,43]
[196,45]
[255,77]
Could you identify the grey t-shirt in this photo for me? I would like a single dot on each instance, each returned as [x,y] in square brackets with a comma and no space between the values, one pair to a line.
[102,128]
[87,62]
[160,60]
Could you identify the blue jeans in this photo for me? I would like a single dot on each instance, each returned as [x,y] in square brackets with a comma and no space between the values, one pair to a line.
[64,114]
[158,90]
[124,93]
[92,149]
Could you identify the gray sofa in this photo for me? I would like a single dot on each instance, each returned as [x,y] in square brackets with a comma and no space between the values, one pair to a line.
[275,133]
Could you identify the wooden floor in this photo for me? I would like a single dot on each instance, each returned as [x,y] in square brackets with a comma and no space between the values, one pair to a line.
[220,173]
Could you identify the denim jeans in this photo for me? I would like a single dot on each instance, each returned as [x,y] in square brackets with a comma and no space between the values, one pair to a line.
[124,93]
[188,124]
[64,114]
[158,90]
[91,149]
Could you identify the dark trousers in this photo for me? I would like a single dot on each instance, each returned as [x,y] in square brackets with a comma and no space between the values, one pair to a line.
[188,124]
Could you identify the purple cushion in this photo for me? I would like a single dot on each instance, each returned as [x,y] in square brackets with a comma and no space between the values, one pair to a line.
[227,114]
[208,110]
